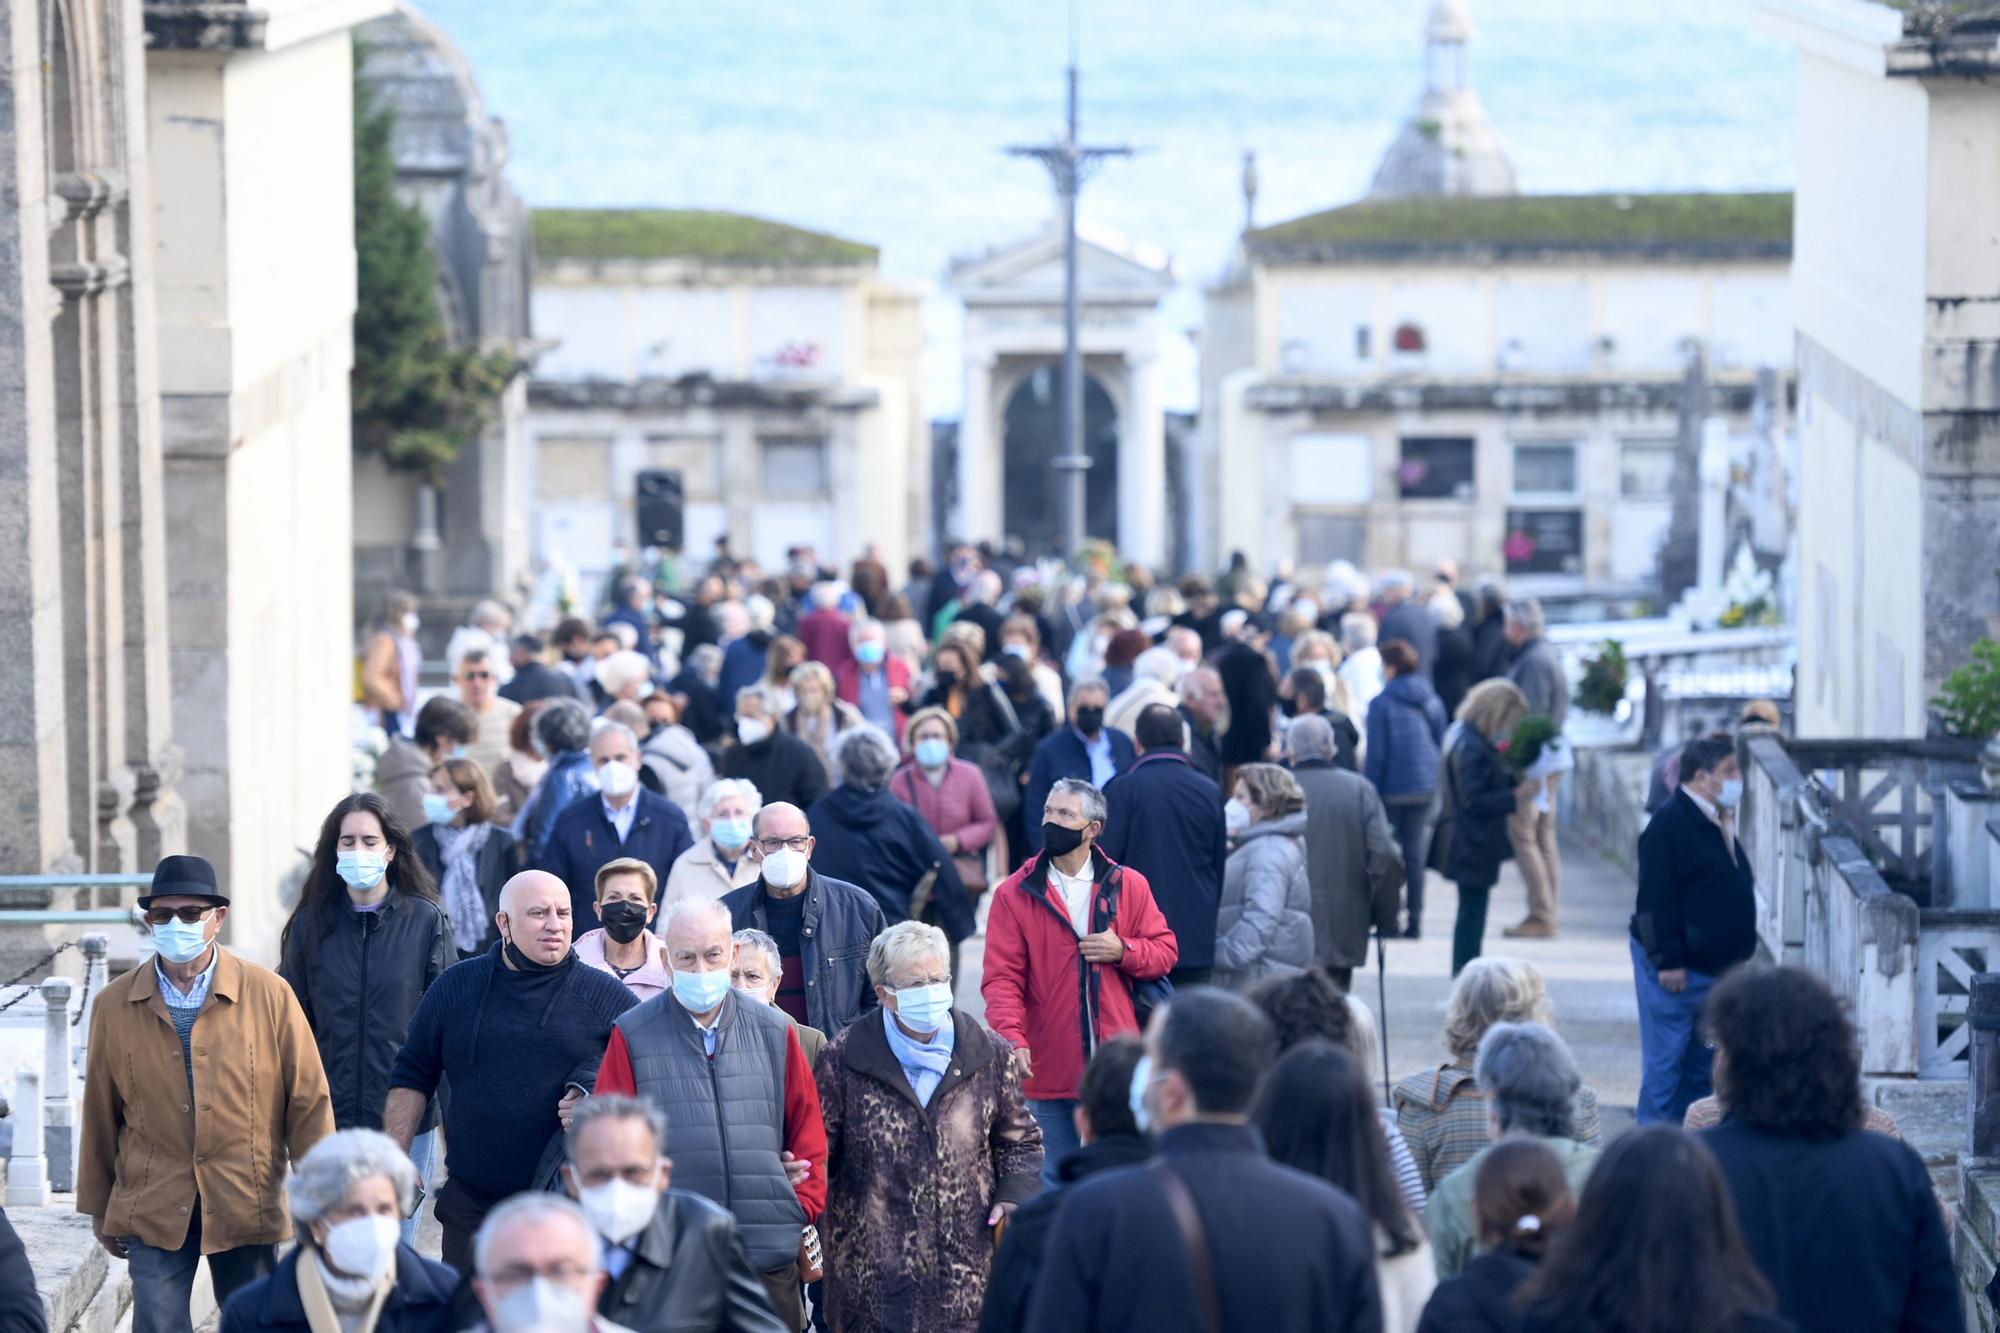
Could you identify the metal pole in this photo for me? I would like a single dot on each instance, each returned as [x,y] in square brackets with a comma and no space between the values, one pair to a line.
[1382,998]
[1073,460]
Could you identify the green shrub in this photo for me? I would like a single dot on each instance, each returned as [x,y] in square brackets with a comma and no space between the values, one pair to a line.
[1969,701]
[1605,677]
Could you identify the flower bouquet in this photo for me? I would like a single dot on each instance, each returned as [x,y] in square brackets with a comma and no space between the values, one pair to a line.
[1537,751]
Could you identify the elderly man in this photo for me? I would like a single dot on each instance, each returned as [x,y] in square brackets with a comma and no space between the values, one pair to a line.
[1531,831]
[1405,617]
[1086,749]
[673,1258]
[1287,1253]
[518,1031]
[742,1110]
[533,677]
[1067,937]
[822,925]
[1165,821]
[540,1269]
[403,773]
[486,626]
[1202,705]
[182,1155]
[1154,675]
[781,765]
[476,676]
[720,859]
[1696,917]
[873,681]
[924,1120]
[1530,1081]
[1352,861]
[756,967]
[621,819]
[634,610]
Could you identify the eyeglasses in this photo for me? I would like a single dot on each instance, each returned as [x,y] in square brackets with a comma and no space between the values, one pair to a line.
[159,916]
[563,1274]
[479,675]
[797,844]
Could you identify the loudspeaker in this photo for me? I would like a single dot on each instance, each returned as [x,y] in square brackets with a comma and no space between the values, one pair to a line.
[660,502]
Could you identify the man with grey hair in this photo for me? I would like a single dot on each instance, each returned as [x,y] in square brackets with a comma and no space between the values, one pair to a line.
[1353,864]
[784,767]
[1205,707]
[874,682]
[1531,830]
[1068,937]
[865,836]
[622,819]
[539,1268]
[673,1258]
[743,1114]
[1405,617]
[1530,1081]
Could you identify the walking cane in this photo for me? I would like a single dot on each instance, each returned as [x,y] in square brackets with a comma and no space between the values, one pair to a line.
[1382,999]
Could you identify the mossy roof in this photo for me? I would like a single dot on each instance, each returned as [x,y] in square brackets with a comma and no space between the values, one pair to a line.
[1654,225]
[703,235]
[1942,18]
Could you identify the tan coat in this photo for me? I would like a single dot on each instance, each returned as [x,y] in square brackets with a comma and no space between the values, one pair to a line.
[382,673]
[260,1101]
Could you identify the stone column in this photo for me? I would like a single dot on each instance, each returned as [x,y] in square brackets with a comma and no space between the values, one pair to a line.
[58,1096]
[27,1169]
[1983,1071]
[1142,464]
[981,476]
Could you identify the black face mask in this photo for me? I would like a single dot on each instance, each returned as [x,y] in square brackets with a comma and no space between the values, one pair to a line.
[947,679]
[1089,719]
[622,920]
[1061,839]
[524,963]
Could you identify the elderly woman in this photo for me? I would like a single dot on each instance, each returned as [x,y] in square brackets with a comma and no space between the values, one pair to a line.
[1442,1111]
[1264,926]
[626,901]
[625,676]
[1531,1090]
[562,732]
[756,967]
[818,716]
[716,863]
[1478,792]
[949,793]
[865,836]
[929,1144]
[349,1273]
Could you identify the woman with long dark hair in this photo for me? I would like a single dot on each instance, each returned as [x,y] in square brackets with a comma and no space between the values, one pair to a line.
[365,941]
[1654,1249]
[1316,1112]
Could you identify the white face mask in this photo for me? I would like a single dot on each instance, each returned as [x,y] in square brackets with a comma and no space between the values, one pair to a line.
[1731,793]
[411,623]
[362,1246]
[618,1209]
[784,868]
[541,1306]
[750,730]
[616,778]
[1235,816]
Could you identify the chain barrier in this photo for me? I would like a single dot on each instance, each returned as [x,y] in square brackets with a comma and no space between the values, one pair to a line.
[33,968]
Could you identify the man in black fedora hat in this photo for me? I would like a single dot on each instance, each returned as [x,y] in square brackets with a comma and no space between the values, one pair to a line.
[203,1081]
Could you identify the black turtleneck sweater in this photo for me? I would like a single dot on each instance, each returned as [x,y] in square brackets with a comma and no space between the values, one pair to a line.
[510,1040]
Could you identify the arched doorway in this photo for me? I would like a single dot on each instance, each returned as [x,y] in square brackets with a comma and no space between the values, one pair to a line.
[1032,440]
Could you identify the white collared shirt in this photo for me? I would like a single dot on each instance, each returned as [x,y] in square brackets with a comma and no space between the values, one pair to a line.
[621,820]
[1076,893]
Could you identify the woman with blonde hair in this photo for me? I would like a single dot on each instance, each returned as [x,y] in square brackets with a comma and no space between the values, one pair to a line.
[819,716]
[1316,648]
[1442,1111]
[1264,922]
[1477,791]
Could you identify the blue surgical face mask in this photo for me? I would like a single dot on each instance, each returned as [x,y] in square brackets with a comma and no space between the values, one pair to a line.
[362,870]
[730,834]
[437,809]
[700,992]
[180,941]
[870,653]
[1732,792]
[1142,1079]
[923,1008]
[932,752]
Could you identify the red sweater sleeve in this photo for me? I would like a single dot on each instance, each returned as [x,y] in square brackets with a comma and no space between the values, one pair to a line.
[1150,946]
[614,1072]
[805,1131]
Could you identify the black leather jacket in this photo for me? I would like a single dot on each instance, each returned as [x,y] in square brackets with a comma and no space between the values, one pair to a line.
[688,1271]
[840,922]
[358,976]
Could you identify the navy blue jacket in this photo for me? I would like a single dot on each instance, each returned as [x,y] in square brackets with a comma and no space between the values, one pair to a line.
[1697,903]
[838,922]
[1061,755]
[1406,725]
[1018,1261]
[1166,823]
[582,840]
[420,1302]
[1412,622]
[1289,1252]
[872,839]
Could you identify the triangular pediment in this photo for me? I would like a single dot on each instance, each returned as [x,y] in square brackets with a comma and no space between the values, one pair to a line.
[1109,268]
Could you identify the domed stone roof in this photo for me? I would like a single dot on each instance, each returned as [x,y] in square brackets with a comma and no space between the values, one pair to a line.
[1447,146]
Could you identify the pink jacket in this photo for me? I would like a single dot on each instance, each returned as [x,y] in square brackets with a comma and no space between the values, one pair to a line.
[961,805]
[645,983]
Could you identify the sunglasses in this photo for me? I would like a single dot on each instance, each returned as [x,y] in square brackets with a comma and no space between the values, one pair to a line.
[160,916]
[479,675]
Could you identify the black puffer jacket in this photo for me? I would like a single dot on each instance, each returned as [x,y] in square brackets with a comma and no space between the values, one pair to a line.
[358,976]
[1477,789]
[840,922]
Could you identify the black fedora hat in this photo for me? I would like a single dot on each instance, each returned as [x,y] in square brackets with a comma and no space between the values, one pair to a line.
[184,877]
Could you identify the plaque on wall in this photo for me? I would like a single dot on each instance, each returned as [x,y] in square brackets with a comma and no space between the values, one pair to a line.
[1544,541]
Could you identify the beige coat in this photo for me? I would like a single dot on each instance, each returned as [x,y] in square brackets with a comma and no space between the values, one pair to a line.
[260,1101]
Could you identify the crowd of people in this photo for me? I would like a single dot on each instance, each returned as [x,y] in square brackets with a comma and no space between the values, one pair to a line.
[646,953]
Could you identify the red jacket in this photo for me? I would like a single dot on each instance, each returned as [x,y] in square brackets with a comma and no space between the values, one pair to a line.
[847,684]
[1037,985]
[805,1130]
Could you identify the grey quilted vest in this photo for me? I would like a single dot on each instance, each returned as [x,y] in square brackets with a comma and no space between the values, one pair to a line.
[726,1116]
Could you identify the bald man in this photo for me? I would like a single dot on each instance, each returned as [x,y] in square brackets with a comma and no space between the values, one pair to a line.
[519,1031]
